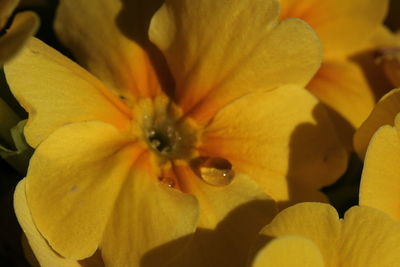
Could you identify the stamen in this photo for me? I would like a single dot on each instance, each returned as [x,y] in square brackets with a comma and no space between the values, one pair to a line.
[165,140]
[159,141]
[164,133]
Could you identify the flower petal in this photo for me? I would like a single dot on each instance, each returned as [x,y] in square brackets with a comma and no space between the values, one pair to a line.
[230,217]
[73,180]
[384,113]
[92,30]
[342,25]
[369,238]
[42,251]
[367,59]
[365,237]
[380,182]
[56,91]
[302,251]
[315,221]
[343,87]
[282,138]
[219,52]
[148,216]
[25,24]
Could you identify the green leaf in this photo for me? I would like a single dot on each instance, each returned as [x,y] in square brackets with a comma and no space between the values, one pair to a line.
[19,156]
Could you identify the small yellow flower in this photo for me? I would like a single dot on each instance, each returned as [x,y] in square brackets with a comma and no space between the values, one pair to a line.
[311,234]
[124,161]
[350,31]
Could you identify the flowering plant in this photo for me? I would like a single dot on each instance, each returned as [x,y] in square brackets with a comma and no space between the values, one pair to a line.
[169,133]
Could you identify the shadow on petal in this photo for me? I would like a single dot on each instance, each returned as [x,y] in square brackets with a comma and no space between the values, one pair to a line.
[343,127]
[317,159]
[392,19]
[214,247]
[373,73]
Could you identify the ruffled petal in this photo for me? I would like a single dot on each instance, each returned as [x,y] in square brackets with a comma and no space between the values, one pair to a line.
[103,35]
[380,182]
[283,139]
[25,24]
[315,221]
[365,237]
[150,223]
[56,91]
[41,249]
[219,52]
[384,113]
[73,180]
[342,25]
[302,251]
[369,238]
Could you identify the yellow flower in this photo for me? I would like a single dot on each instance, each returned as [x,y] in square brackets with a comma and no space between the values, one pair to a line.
[311,234]
[348,31]
[24,26]
[378,141]
[123,158]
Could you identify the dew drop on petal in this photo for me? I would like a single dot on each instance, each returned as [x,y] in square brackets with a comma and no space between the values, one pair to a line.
[168,181]
[216,171]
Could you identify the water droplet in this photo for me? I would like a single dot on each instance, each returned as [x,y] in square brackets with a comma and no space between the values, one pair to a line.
[216,171]
[168,181]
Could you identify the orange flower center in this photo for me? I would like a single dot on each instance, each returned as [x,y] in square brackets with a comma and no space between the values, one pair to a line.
[165,130]
[174,138]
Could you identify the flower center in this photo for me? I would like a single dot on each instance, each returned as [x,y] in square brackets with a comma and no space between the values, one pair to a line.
[164,141]
[174,139]
[164,131]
